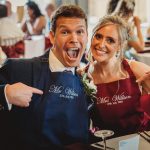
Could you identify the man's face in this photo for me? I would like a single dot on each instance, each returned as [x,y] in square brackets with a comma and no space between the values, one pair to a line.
[49,12]
[69,40]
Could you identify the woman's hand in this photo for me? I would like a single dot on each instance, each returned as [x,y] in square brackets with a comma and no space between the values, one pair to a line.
[82,71]
[142,80]
[87,69]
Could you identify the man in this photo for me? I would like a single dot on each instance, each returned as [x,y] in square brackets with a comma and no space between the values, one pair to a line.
[50,8]
[48,108]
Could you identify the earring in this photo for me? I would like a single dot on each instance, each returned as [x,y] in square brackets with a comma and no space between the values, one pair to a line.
[117,54]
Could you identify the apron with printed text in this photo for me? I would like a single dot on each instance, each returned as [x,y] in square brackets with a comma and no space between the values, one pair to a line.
[60,115]
[118,106]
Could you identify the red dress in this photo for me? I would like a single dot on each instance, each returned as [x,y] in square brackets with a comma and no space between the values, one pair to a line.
[118,106]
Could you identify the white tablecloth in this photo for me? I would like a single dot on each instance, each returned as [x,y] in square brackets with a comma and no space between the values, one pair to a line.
[114,143]
[2,57]
[34,47]
[142,57]
[10,33]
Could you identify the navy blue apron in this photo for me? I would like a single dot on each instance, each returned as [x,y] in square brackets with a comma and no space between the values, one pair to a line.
[60,115]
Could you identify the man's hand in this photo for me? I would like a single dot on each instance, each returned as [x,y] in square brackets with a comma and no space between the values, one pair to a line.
[20,94]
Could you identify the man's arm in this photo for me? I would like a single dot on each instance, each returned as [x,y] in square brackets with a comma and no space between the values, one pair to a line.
[17,93]
[3,103]
[5,73]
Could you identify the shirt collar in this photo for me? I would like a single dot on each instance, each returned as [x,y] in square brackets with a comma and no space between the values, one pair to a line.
[56,66]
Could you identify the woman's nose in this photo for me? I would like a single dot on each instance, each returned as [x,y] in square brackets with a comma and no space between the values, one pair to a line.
[102,43]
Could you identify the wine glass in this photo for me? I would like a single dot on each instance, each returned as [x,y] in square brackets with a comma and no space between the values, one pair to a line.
[104,134]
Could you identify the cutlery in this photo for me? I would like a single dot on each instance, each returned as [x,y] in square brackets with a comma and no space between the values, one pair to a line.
[101,146]
[145,138]
[146,134]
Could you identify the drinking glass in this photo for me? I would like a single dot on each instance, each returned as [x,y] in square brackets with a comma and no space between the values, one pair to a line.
[104,134]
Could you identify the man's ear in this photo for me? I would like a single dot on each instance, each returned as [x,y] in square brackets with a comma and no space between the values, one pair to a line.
[51,36]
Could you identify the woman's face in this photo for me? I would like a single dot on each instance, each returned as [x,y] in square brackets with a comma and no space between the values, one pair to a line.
[105,43]
[30,12]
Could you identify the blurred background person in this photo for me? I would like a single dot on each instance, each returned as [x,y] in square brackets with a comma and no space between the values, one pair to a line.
[125,9]
[50,8]
[10,34]
[36,22]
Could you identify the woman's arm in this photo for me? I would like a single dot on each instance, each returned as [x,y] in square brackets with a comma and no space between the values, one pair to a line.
[148,32]
[140,70]
[138,44]
[39,25]
[24,27]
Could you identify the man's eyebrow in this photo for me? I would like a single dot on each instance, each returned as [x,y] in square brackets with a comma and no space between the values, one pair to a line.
[65,26]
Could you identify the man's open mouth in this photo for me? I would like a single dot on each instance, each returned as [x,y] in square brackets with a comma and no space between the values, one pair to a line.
[73,52]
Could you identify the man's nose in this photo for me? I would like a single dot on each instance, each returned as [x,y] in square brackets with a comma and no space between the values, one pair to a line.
[74,38]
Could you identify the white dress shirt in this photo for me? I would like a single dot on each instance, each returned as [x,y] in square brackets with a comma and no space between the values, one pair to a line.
[56,66]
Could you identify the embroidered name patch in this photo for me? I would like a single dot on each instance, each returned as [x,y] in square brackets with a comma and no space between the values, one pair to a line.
[116,99]
[64,92]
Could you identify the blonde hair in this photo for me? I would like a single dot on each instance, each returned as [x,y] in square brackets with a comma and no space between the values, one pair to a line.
[121,7]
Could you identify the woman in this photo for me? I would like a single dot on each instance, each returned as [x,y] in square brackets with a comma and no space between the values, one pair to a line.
[117,106]
[125,9]
[36,22]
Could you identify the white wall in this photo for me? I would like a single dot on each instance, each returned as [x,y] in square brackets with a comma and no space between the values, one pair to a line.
[141,9]
[41,3]
[17,3]
[98,8]
[148,10]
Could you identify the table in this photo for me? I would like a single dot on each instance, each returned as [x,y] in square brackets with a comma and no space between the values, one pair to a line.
[34,47]
[10,34]
[142,57]
[2,57]
[114,143]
